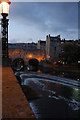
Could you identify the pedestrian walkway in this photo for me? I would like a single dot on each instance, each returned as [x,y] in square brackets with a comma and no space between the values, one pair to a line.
[14,102]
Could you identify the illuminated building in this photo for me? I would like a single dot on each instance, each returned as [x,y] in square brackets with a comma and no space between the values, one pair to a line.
[53,47]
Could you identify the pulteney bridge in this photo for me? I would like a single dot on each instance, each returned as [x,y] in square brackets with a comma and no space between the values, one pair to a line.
[27,54]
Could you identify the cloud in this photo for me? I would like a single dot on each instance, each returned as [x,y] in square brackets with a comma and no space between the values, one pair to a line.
[44,0]
[46,17]
[42,13]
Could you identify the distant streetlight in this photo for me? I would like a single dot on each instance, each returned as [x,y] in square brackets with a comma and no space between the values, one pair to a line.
[4,27]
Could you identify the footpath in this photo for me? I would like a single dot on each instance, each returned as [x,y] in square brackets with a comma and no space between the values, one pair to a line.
[14,102]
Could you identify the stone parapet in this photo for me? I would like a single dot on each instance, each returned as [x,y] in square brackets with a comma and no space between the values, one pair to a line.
[14,102]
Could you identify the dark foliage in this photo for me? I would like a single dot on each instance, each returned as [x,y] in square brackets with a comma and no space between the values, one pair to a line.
[71,53]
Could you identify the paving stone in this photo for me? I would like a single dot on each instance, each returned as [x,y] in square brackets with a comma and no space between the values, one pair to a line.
[14,102]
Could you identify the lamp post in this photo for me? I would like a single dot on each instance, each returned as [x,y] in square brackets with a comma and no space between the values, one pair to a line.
[4,27]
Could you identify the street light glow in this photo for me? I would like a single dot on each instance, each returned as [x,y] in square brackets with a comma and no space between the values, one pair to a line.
[4,4]
[4,7]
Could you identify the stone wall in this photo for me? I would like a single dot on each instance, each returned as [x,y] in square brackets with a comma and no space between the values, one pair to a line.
[53,48]
[27,54]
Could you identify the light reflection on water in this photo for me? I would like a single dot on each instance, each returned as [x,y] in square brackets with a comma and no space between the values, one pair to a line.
[52,89]
[59,73]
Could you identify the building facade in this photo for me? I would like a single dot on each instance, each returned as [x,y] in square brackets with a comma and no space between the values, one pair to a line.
[27,54]
[41,45]
[53,47]
[48,49]
[22,45]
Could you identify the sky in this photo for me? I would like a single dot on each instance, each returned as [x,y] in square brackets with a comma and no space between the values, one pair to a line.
[42,0]
[32,21]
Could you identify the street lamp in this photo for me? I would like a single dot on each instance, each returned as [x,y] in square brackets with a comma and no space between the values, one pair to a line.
[4,27]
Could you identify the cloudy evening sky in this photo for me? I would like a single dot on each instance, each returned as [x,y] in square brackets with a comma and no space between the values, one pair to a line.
[31,21]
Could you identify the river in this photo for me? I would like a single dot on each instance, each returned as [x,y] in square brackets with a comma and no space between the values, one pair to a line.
[60,95]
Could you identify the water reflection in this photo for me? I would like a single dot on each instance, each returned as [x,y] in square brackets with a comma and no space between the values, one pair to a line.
[71,75]
[58,91]
[63,91]
[76,95]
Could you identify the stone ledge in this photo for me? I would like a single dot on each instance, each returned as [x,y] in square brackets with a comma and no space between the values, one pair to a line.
[14,102]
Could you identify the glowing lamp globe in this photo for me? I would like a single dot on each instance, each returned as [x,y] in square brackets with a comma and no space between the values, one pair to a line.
[5,8]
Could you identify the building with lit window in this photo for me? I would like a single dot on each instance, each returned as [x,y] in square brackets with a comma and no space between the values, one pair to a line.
[53,47]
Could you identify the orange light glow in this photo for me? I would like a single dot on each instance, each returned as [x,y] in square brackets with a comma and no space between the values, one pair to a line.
[61,42]
[4,7]
[39,59]
[48,56]
[54,63]
[30,56]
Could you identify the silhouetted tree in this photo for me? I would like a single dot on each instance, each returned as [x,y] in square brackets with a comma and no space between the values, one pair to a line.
[71,53]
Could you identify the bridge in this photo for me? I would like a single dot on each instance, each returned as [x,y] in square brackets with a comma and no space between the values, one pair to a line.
[27,54]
